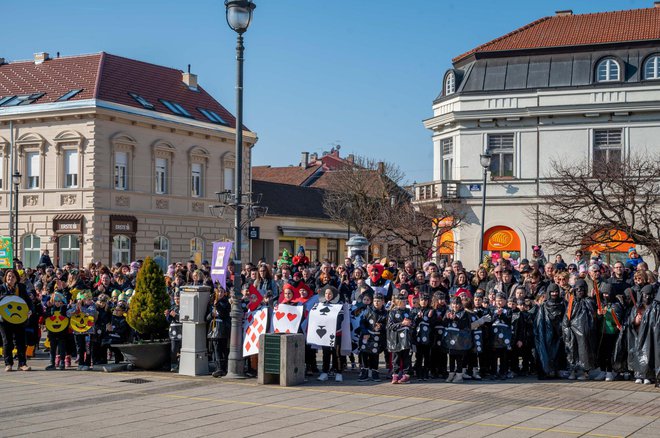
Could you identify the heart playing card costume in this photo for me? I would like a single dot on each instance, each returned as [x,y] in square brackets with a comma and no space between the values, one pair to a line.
[286,318]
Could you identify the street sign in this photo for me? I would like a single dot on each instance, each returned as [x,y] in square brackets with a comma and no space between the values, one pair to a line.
[475,187]
[253,232]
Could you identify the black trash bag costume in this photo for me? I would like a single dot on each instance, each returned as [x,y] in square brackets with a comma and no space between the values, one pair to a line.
[580,329]
[548,336]
[640,343]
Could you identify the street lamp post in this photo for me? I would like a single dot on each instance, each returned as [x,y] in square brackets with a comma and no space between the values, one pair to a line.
[239,16]
[484,159]
[16,180]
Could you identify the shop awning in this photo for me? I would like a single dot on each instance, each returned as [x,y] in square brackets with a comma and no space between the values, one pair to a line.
[312,232]
[68,217]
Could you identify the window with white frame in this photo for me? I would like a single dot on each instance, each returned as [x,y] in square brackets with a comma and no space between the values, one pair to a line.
[162,252]
[33,169]
[70,169]
[121,250]
[161,176]
[121,170]
[608,70]
[501,148]
[228,175]
[197,250]
[450,83]
[69,247]
[31,250]
[196,179]
[447,148]
[652,67]
[608,147]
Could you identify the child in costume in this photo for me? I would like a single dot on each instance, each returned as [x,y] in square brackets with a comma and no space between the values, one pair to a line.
[610,316]
[372,334]
[640,331]
[332,354]
[438,352]
[501,336]
[218,317]
[579,331]
[399,338]
[57,324]
[457,338]
[85,306]
[423,319]
[118,330]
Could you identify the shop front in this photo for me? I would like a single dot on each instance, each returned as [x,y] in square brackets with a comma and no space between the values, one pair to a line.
[445,246]
[123,232]
[610,245]
[68,238]
[501,242]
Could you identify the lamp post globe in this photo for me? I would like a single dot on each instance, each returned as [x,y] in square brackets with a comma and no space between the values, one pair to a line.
[485,159]
[239,14]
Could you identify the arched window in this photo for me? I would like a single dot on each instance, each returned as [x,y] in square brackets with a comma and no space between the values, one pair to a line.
[197,250]
[69,247]
[652,67]
[121,250]
[31,250]
[608,70]
[450,83]
[162,252]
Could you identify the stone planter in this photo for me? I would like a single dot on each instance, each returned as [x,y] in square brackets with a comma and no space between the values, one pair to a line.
[148,355]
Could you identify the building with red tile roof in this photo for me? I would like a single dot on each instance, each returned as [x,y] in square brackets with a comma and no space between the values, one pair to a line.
[119,158]
[581,89]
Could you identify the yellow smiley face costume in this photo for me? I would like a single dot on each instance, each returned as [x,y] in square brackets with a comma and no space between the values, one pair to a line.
[14,310]
[57,322]
[81,322]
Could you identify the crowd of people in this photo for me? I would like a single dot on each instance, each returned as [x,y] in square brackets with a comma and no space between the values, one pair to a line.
[576,320]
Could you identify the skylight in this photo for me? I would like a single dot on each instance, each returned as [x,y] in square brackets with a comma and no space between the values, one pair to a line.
[175,108]
[5,99]
[142,101]
[24,99]
[69,95]
[212,116]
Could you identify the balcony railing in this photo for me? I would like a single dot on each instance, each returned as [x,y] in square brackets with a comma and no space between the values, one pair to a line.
[435,191]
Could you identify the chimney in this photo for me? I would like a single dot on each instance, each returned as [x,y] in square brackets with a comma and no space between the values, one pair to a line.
[350,158]
[2,61]
[381,168]
[564,13]
[190,80]
[40,58]
[304,162]
[313,157]
[656,4]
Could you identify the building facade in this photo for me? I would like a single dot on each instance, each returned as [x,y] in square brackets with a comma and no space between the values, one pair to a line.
[120,159]
[565,87]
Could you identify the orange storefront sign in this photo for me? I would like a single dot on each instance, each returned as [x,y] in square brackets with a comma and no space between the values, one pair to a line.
[501,239]
[446,243]
[610,241]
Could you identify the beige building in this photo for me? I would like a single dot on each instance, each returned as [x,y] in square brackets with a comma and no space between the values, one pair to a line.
[120,160]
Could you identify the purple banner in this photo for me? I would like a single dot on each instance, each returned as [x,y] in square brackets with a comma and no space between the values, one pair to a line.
[221,254]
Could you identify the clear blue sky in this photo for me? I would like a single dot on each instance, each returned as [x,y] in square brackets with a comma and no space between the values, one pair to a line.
[362,74]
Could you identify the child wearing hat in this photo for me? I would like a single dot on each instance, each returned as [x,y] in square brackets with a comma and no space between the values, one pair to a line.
[84,305]
[501,336]
[399,338]
[372,335]
[118,330]
[57,325]
[424,319]
[438,353]
[457,338]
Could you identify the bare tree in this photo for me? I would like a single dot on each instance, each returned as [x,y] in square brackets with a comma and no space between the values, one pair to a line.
[368,196]
[593,204]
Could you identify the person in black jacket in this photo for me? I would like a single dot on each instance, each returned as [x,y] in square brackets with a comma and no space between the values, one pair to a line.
[176,331]
[11,328]
[424,321]
[103,318]
[501,336]
[118,330]
[218,317]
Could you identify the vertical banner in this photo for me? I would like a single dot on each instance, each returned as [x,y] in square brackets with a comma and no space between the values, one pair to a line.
[6,253]
[221,254]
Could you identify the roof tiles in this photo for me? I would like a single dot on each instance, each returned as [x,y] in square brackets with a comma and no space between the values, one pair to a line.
[109,78]
[577,30]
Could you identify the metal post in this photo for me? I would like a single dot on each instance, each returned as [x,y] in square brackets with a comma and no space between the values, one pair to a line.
[11,185]
[15,245]
[483,218]
[236,368]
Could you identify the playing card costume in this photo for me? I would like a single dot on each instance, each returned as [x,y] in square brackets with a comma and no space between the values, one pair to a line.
[372,335]
[399,341]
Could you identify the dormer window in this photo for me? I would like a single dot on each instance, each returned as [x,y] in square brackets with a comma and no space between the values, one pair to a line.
[608,70]
[652,67]
[450,83]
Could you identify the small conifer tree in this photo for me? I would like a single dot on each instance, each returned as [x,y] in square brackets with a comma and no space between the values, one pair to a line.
[146,313]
